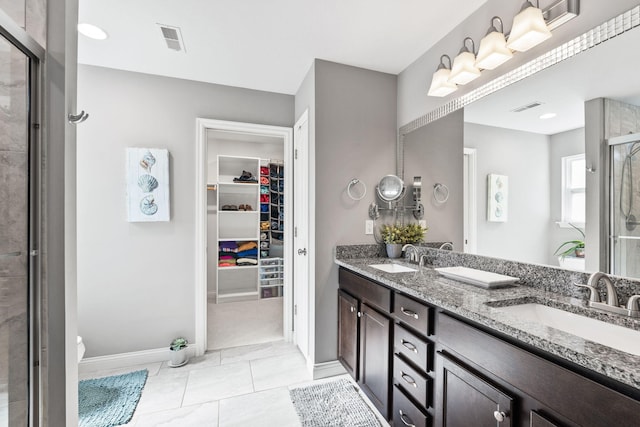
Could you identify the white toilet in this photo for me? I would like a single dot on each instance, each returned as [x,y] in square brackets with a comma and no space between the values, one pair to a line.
[81,349]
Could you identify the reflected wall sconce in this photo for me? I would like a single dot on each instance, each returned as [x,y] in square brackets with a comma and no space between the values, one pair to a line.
[493,50]
[529,28]
[464,69]
[440,84]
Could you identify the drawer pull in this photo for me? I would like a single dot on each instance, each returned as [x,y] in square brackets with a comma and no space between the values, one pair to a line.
[410,346]
[409,379]
[409,313]
[499,416]
[402,418]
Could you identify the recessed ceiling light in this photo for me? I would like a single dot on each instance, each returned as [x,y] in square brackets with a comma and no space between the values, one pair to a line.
[546,116]
[92,31]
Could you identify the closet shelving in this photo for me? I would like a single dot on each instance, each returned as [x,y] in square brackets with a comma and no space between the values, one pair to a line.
[265,225]
[271,277]
[276,178]
[237,226]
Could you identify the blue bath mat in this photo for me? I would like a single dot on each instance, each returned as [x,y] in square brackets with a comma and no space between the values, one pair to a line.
[109,401]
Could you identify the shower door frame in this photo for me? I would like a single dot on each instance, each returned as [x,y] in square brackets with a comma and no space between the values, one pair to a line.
[35,54]
[610,191]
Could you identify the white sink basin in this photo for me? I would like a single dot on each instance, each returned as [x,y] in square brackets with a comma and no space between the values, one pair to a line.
[393,268]
[621,338]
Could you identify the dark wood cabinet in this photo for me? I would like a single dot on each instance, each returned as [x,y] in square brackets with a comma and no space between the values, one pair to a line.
[348,310]
[365,331]
[467,399]
[375,334]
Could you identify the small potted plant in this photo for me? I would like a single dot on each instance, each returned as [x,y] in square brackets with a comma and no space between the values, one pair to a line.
[396,236]
[575,247]
[178,349]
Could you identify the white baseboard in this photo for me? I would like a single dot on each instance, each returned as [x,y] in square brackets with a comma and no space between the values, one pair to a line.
[328,369]
[123,360]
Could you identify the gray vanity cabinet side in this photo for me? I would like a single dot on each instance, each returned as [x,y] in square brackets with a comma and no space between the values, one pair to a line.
[368,361]
[542,393]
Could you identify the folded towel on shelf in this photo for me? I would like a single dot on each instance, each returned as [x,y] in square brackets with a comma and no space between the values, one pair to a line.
[227,255]
[247,261]
[245,246]
[250,253]
[227,263]
[264,180]
[228,246]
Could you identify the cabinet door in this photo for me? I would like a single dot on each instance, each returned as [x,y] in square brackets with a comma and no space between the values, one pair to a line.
[348,333]
[466,399]
[375,351]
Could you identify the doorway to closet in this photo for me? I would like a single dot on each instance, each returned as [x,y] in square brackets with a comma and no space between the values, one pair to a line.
[244,230]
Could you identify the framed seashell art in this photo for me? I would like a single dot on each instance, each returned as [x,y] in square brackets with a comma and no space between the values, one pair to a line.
[147,184]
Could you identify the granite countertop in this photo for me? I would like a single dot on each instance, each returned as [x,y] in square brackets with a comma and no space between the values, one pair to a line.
[482,306]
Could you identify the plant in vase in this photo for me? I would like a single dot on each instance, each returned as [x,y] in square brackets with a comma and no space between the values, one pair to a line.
[178,349]
[396,236]
[575,247]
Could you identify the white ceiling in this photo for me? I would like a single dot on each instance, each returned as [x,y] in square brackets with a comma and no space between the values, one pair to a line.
[609,70]
[265,44]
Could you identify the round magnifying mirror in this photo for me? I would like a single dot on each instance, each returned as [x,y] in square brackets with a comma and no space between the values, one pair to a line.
[390,188]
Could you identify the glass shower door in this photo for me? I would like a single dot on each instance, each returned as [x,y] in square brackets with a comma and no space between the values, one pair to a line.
[15,277]
[625,205]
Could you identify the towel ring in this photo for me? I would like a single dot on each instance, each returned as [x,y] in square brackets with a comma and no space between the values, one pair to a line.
[353,182]
[440,193]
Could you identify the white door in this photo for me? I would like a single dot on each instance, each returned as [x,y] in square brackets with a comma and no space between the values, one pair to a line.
[301,250]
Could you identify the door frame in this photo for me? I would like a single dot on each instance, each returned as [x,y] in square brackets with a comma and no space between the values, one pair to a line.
[470,186]
[202,126]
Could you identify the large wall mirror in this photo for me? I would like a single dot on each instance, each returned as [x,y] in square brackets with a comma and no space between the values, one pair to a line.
[531,138]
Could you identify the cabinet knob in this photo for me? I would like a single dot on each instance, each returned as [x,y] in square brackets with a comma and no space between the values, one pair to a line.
[409,379]
[499,416]
[409,313]
[405,419]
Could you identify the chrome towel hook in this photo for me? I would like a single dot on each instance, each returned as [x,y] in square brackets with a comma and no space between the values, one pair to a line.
[78,118]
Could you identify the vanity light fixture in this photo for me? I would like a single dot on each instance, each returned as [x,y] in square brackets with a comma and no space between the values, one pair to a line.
[464,69]
[529,28]
[493,50]
[440,84]
[92,31]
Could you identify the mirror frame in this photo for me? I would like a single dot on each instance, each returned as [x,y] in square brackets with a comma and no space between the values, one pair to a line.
[616,26]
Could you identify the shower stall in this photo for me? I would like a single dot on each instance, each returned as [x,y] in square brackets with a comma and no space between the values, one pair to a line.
[624,205]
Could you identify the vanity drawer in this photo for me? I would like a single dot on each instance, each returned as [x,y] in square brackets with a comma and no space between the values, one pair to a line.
[366,290]
[405,413]
[416,384]
[413,313]
[413,348]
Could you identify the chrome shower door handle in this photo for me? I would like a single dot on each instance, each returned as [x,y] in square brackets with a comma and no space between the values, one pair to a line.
[302,251]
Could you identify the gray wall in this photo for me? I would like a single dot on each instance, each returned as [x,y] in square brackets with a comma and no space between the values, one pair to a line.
[139,277]
[569,143]
[435,152]
[354,119]
[524,158]
[414,81]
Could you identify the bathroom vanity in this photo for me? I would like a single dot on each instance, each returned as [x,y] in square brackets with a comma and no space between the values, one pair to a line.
[431,351]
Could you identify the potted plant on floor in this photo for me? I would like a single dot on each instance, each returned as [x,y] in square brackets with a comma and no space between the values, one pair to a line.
[575,247]
[396,236]
[178,349]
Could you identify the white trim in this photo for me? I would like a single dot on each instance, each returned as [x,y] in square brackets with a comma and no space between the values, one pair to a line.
[471,201]
[202,125]
[328,369]
[123,360]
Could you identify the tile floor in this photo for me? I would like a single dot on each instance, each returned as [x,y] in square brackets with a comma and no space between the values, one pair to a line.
[240,386]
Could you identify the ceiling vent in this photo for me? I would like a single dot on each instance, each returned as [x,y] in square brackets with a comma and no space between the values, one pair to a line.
[527,107]
[173,37]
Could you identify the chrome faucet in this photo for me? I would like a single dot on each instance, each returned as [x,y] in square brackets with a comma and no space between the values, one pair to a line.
[423,260]
[612,295]
[413,255]
[447,246]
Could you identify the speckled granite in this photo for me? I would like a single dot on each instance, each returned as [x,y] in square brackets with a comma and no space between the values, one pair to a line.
[482,306]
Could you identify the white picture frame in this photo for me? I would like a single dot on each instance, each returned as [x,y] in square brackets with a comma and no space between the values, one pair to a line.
[147,172]
[497,197]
